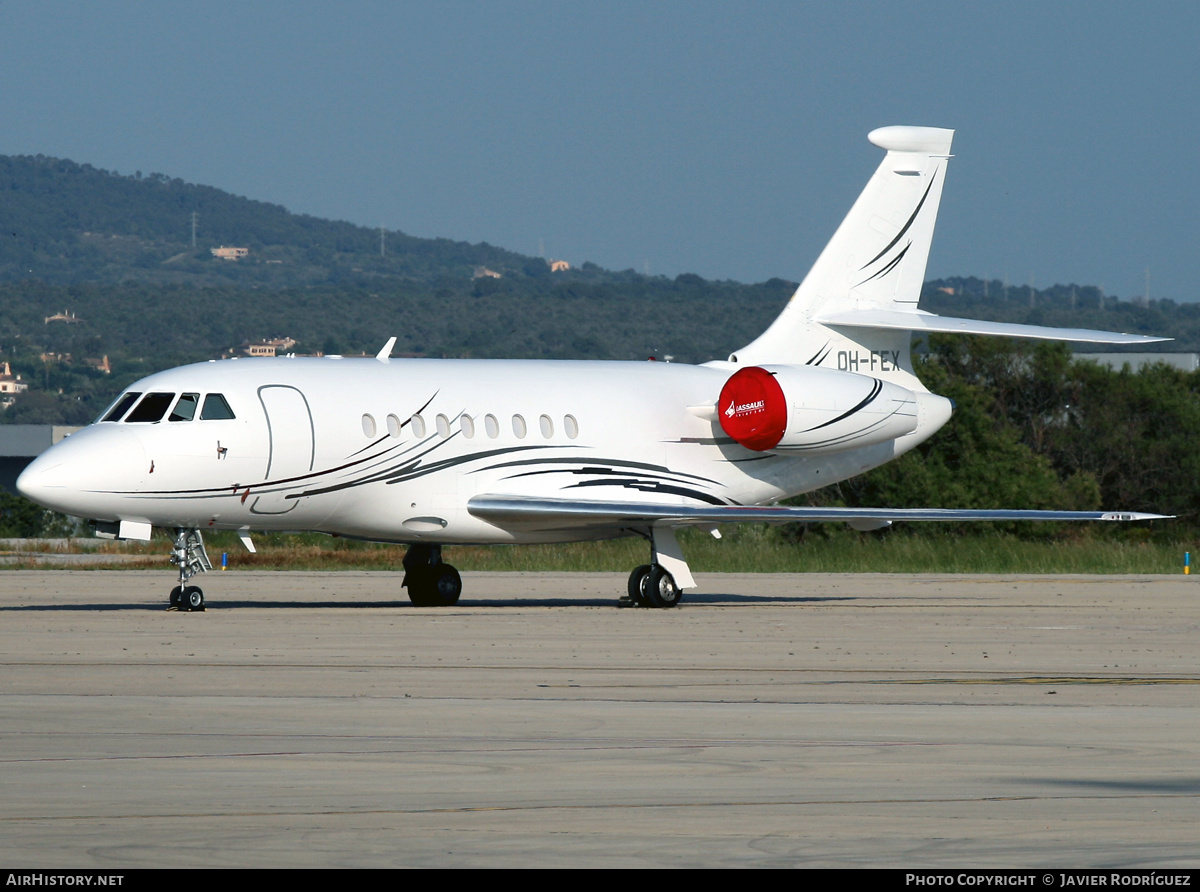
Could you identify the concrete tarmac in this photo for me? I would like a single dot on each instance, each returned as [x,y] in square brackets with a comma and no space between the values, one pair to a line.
[319,720]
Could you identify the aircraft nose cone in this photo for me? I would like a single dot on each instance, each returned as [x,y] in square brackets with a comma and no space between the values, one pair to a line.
[77,475]
[41,478]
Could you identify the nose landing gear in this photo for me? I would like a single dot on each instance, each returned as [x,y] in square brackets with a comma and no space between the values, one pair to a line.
[189,555]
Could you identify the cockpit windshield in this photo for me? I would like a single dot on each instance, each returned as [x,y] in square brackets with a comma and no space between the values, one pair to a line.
[215,408]
[120,407]
[153,407]
[185,409]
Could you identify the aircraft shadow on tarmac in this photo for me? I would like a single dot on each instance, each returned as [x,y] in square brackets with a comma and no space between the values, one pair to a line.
[1188,786]
[708,599]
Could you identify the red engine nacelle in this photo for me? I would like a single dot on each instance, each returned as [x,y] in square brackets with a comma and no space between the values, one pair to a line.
[804,409]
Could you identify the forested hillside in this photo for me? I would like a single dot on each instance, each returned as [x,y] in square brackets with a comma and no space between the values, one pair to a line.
[65,222]
[143,327]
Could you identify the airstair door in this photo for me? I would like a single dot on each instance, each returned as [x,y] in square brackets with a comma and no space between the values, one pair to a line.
[292,448]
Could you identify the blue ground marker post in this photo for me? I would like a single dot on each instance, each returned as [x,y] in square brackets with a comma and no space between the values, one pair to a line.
[1187,563]
[225,560]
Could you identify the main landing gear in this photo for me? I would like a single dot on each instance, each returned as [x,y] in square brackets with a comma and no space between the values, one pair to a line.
[430,582]
[650,585]
[189,555]
[661,582]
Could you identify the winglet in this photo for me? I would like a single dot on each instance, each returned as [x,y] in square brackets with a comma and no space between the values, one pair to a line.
[385,354]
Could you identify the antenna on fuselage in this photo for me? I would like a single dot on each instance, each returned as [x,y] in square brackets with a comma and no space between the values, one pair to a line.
[385,354]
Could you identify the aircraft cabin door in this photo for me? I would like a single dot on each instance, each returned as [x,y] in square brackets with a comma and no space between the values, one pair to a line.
[292,446]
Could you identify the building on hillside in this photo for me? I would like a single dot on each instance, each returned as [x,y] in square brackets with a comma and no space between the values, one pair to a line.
[229,253]
[10,386]
[272,347]
[64,316]
[559,266]
[10,383]
[100,365]
[483,271]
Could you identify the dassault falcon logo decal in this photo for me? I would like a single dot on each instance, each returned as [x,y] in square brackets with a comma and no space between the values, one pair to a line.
[745,408]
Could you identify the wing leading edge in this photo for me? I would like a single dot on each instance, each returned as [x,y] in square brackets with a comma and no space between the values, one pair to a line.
[529,513]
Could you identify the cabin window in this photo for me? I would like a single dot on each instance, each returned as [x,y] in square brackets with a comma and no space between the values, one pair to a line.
[395,428]
[368,424]
[467,424]
[547,426]
[519,427]
[443,426]
[185,409]
[571,426]
[120,407]
[152,408]
[492,426]
[216,408]
[418,426]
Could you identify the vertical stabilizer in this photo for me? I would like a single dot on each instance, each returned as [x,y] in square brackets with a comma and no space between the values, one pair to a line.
[875,261]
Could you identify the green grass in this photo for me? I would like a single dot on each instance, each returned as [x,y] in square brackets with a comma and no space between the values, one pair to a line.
[743,549]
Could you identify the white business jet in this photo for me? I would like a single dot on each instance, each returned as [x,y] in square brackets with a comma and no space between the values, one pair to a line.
[438,452]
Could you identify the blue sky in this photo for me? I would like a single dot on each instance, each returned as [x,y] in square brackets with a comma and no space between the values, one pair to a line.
[725,139]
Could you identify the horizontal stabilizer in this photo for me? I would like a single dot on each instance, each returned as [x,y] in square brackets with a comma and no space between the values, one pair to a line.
[525,512]
[922,321]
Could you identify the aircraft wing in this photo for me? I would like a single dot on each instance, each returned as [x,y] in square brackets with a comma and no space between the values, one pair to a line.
[922,321]
[533,513]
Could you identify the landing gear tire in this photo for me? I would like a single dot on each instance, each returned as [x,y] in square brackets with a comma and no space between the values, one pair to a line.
[436,586]
[192,599]
[187,598]
[637,585]
[660,589]
[447,586]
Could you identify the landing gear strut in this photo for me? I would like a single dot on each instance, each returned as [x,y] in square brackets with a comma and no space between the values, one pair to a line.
[430,582]
[189,555]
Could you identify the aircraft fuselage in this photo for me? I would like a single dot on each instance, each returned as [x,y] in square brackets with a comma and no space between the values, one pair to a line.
[394,450]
